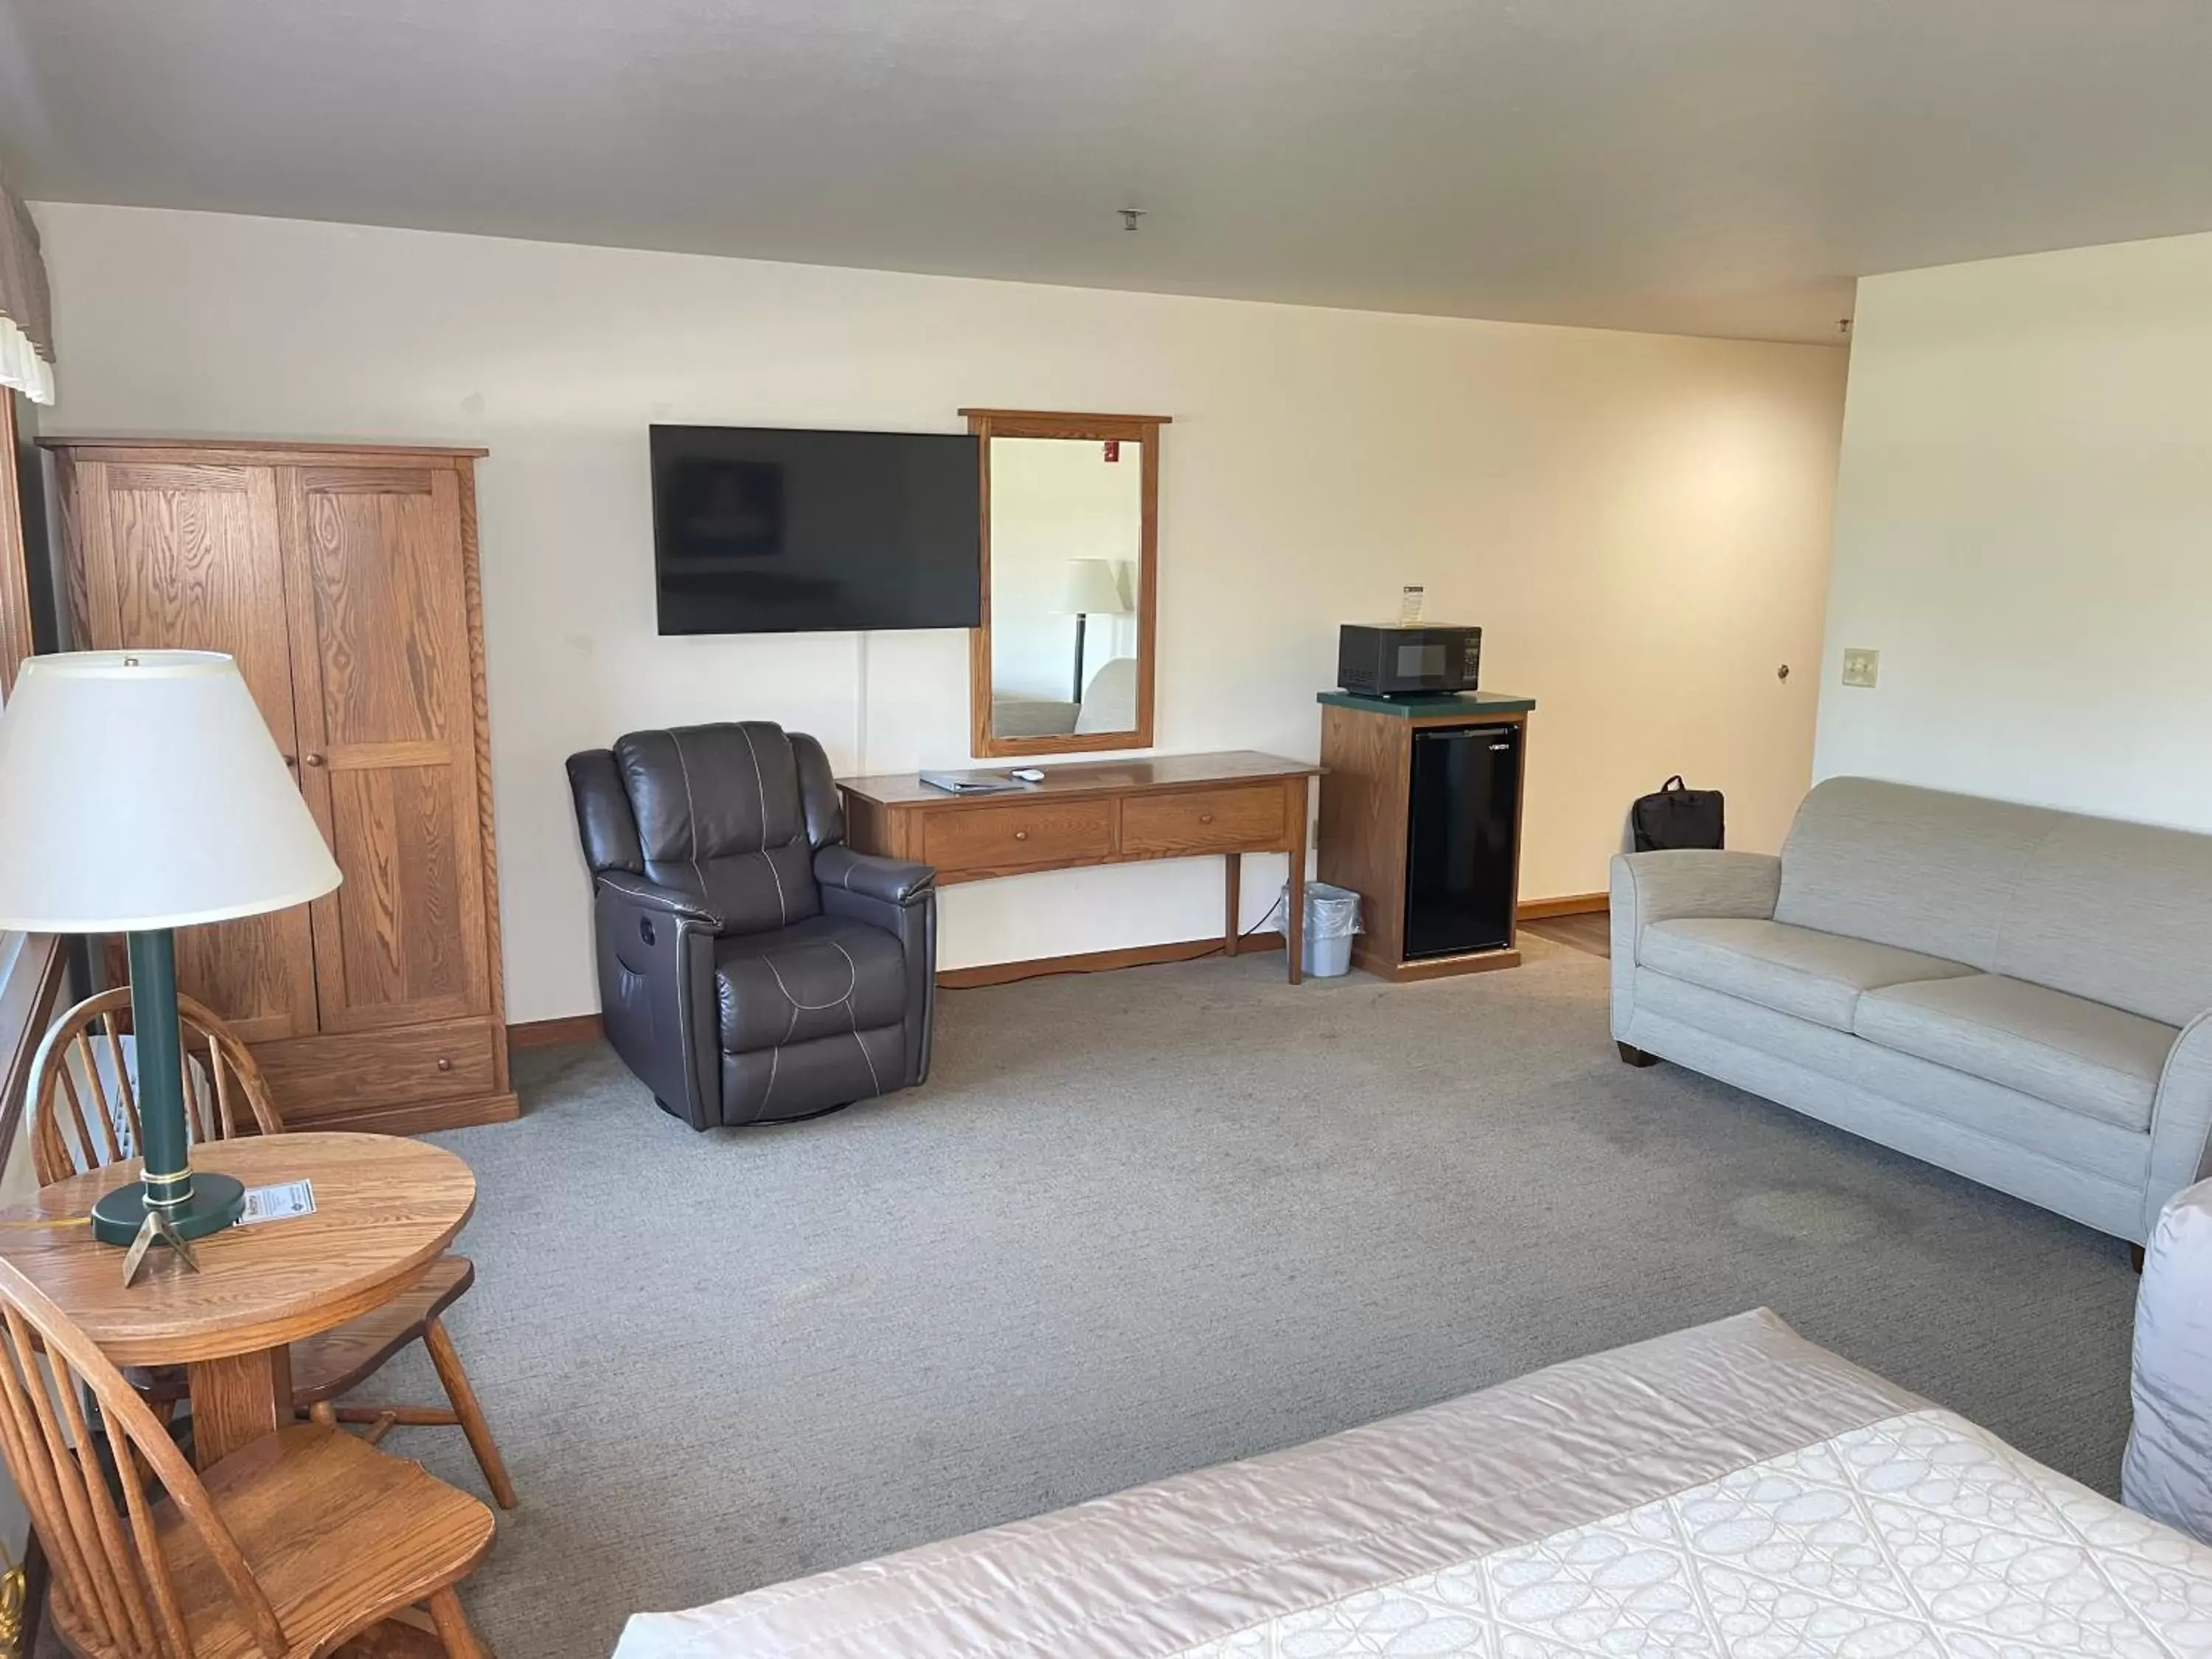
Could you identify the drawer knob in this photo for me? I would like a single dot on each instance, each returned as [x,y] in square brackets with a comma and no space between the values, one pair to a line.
[314,759]
[444,1064]
[1205,817]
[1021,835]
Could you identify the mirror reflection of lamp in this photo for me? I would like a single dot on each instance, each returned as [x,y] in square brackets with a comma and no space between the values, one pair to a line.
[1091,587]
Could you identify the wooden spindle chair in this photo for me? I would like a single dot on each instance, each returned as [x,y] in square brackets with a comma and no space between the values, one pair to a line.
[287,1549]
[77,1109]
[75,1112]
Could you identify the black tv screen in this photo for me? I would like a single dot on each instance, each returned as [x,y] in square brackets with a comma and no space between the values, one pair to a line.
[761,530]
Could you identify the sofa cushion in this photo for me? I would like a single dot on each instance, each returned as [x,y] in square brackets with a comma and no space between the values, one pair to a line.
[815,978]
[1794,970]
[2083,1055]
[2118,913]
[1920,869]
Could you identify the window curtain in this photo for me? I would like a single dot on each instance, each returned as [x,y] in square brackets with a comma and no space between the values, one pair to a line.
[27,332]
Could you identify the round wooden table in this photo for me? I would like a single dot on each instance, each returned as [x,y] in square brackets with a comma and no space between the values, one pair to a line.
[385,1208]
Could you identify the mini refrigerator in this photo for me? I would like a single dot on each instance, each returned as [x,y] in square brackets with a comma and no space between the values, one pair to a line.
[1460,822]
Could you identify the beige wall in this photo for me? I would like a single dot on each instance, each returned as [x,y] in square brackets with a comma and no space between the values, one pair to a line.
[2024,531]
[1640,523]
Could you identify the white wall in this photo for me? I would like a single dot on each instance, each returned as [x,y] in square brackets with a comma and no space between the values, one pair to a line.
[2024,531]
[1640,523]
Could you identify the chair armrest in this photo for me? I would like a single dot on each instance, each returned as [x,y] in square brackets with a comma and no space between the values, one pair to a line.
[652,896]
[889,881]
[2181,1120]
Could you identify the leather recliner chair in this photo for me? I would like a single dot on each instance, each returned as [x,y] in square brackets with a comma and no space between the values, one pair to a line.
[753,968]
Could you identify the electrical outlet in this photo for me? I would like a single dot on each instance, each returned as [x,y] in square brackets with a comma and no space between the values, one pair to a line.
[1861,667]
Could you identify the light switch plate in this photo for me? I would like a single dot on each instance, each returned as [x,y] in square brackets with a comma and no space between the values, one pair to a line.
[1861,667]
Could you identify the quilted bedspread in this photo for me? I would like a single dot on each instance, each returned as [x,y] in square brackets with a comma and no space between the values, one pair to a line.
[1731,1492]
[1919,1535]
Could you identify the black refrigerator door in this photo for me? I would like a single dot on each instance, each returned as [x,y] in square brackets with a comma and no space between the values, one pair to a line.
[1459,839]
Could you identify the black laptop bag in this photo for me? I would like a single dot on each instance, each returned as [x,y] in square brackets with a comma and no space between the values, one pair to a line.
[1678,816]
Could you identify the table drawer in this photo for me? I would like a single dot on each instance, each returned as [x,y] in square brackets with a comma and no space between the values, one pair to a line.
[359,1071]
[1197,820]
[1017,834]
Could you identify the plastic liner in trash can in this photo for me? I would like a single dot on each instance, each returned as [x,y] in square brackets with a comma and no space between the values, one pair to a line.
[2168,1473]
[1332,918]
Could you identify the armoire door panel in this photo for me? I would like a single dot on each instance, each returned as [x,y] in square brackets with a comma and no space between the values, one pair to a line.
[383,678]
[389,609]
[405,928]
[179,557]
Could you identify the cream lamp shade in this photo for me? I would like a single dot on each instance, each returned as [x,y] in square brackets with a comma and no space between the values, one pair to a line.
[1091,587]
[141,790]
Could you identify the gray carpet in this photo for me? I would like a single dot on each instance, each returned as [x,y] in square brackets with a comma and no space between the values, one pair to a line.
[1144,1221]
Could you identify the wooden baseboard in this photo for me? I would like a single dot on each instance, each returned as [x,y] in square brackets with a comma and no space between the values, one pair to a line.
[421,1119]
[1574,904]
[545,1033]
[1098,961]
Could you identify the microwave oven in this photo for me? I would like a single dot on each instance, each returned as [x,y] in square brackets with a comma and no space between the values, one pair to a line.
[1408,662]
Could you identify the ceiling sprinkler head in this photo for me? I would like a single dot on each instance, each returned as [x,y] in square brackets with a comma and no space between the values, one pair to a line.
[1129,216]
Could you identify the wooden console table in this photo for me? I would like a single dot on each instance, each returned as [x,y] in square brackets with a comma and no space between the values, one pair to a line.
[1171,806]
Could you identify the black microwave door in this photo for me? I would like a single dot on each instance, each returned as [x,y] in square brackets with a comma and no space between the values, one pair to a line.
[1421,664]
[1460,826]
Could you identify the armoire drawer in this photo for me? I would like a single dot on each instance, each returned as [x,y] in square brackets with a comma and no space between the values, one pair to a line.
[318,1076]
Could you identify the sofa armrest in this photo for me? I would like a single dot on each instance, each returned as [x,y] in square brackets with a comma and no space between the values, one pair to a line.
[889,881]
[2181,1120]
[652,896]
[1649,887]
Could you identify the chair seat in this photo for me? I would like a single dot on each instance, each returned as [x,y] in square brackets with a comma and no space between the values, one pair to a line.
[325,1366]
[337,1533]
[2100,1061]
[817,978]
[1793,971]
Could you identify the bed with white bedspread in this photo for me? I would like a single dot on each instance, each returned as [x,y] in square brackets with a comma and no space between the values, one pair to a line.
[1732,1491]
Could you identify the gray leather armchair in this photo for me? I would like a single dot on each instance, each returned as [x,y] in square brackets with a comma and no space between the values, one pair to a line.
[753,968]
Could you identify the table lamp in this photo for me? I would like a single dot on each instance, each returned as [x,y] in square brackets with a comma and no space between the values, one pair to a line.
[1090,588]
[140,792]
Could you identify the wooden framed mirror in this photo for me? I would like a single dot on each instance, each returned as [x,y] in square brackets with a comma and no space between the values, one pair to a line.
[1062,663]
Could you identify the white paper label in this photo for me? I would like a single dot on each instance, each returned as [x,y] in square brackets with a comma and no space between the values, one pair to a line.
[279,1202]
[1409,603]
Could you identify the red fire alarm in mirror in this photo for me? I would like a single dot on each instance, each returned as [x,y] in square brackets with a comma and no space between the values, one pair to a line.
[1113,449]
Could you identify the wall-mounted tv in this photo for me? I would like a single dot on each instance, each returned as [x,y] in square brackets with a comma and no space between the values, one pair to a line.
[763,530]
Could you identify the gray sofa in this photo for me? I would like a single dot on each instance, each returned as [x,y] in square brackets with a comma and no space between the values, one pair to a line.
[2016,995]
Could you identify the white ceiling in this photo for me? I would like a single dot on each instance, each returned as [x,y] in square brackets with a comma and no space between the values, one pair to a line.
[1718,167]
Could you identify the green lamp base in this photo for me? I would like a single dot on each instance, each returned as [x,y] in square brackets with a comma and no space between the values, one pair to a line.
[217,1201]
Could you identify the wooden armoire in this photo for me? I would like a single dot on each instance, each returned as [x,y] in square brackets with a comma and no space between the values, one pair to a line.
[345,581]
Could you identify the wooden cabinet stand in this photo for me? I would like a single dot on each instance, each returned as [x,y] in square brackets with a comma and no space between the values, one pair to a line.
[1420,815]
[345,582]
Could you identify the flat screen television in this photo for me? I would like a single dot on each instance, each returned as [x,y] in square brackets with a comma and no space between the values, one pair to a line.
[761,529]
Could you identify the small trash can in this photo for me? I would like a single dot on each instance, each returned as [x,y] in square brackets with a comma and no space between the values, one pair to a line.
[1332,918]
